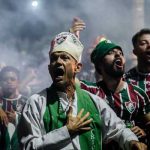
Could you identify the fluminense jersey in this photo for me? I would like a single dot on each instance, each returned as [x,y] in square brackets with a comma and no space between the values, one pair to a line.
[129,104]
[15,104]
[8,134]
[140,79]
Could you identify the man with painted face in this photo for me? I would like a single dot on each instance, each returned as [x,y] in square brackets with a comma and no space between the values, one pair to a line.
[64,116]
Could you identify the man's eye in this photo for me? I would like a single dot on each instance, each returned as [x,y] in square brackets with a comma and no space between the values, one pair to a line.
[12,79]
[110,52]
[143,43]
[65,57]
[53,58]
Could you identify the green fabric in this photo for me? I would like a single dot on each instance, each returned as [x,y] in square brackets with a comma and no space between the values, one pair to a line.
[102,49]
[55,117]
[11,144]
[94,135]
[146,99]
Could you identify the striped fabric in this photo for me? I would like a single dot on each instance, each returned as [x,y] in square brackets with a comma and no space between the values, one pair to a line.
[130,103]
[8,137]
[16,104]
[140,79]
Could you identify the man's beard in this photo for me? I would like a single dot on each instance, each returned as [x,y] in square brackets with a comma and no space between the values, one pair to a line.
[112,71]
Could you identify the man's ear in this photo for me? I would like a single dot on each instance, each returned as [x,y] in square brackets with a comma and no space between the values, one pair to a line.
[49,68]
[135,52]
[78,67]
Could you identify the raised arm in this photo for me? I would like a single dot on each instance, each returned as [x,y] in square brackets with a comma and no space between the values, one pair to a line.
[77,26]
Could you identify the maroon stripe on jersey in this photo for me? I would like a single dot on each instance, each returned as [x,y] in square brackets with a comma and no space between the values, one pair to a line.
[93,89]
[8,105]
[147,90]
[1,101]
[132,94]
[117,104]
[134,98]
[141,102]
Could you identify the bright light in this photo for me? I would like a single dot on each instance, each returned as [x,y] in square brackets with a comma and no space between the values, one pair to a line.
[34,3]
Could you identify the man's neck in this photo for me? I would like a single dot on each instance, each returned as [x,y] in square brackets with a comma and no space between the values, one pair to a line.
[10,95]
[70,92]
[114,84]
[143,68]
[69,89]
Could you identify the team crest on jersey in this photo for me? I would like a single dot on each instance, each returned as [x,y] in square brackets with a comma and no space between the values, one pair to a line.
[130,106]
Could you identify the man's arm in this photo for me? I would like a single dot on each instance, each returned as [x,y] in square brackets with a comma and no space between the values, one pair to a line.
[77,26]
[3,117]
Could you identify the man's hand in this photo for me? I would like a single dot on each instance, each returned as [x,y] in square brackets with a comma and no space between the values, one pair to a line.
[135,145]
[138,132]
[78,123]
[77,26]
[3,117]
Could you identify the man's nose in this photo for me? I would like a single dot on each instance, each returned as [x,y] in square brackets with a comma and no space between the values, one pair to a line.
[8,80]
[59,60]
[117,53]
[148,45]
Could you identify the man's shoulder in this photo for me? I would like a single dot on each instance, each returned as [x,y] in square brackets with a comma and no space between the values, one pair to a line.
[87,83]
[131,73]
[23,96]
[138,90]
[40,96]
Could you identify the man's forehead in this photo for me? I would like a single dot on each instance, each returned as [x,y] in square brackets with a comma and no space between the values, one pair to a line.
[116,49]
[60,53]
[10,73]
[144,37]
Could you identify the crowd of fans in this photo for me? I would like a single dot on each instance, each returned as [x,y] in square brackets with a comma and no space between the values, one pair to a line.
[127,93]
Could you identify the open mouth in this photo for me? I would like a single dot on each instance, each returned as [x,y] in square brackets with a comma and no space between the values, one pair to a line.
[58,72]
[118,63]
[148,53]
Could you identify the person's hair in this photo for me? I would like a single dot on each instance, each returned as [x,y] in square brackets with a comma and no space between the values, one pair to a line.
[138,35]
[96,64]
[9,69]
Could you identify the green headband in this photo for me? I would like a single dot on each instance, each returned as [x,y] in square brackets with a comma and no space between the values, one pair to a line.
[102,49]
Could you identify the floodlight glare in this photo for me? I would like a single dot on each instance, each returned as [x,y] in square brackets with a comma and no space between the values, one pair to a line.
[34,3]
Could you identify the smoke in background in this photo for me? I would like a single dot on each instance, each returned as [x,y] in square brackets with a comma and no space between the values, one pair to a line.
[25,32]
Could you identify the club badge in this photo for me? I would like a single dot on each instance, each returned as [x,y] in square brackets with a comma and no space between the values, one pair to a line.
[130,106]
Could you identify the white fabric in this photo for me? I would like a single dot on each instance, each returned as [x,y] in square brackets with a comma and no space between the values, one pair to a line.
[65,104]
[12,126]
[113,128]
[69,43]
[11,129]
